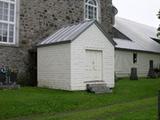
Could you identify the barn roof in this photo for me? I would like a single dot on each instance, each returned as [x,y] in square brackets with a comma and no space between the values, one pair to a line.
[140,36]
[70,33]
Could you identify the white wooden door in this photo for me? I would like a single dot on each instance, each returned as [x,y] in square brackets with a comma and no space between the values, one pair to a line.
[93,65]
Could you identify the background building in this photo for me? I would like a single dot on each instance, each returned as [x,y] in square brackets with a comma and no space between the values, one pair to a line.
[25,23]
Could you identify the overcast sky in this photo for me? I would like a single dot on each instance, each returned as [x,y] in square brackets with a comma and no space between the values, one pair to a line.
[143,11]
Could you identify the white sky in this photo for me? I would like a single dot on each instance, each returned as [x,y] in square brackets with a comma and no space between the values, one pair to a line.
[143,11]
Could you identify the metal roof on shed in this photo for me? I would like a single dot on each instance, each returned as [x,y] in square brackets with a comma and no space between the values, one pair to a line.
[141,36]
[70,33]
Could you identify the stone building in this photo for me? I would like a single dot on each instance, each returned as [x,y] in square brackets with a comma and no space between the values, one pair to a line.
[24,23]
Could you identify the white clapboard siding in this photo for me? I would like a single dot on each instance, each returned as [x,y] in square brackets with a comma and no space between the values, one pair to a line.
[54,66]
[91,39]
[64,66]
[124,62]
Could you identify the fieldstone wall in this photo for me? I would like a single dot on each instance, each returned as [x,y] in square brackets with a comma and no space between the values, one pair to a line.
[40,18]
[106,15]
[16,58]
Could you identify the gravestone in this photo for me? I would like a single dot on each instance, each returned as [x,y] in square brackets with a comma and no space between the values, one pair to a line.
[133,75]
[151,72]
[2,75]
[13,77]
[8,78]
[2,78]
[7,73]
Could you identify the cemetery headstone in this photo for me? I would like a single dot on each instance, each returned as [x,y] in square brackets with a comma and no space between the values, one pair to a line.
[133,75]
[151,72]
[8,78]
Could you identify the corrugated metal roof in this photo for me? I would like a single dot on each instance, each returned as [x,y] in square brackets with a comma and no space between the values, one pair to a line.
[70,33]
[127,44]
[140,35]
[67,33]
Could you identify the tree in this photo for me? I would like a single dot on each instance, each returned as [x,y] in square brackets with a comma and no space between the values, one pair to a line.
[158,34]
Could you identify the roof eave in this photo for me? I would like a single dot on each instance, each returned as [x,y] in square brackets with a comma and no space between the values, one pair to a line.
[56,43]
[126,49]
[68,41]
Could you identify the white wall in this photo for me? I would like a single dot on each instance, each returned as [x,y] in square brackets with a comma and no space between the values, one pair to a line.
[92,39]
[54,66]
[124,62]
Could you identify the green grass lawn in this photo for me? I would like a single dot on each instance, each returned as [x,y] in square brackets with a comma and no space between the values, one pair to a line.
[131,100]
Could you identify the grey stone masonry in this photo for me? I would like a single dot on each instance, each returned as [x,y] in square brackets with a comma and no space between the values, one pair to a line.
[40,18]
[98,88]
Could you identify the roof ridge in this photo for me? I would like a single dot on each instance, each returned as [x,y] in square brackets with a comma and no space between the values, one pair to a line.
[77,23]
[126,19]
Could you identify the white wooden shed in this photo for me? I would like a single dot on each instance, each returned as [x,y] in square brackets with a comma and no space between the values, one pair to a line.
[75,56]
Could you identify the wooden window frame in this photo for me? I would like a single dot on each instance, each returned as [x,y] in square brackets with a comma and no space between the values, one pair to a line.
[95,10]
[9,22]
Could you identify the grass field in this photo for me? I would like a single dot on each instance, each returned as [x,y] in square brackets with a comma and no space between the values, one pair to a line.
[131,100]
